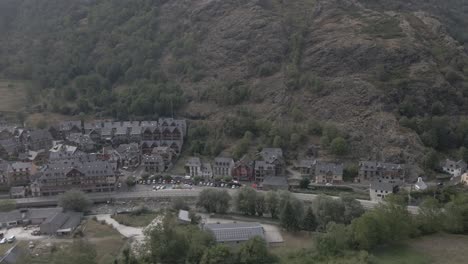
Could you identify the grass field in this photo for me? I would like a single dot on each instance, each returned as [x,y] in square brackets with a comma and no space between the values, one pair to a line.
[12,95]
[435,249]
[136,220]
[107,242]
[4,248]
[400,255]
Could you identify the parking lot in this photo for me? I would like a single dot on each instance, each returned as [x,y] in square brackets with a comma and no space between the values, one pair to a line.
[22,233]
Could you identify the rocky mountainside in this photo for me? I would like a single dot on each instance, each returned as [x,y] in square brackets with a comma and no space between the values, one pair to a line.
[362,65]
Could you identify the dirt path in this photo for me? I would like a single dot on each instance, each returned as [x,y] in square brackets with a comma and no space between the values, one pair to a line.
[126,231]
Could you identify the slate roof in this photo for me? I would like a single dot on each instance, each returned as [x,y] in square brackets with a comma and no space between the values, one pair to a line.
[327,167]
[17,190]
[10,145]
[89,169]
[206,168]
[264,164]
[194,161]
[34,213]
[11,216]
[39,135]
[454,164]
[271,154]
[3,165]
[374,165]
[106,131]
[232,232]
[68,125]
[20,166]
[121,130]
[80,139]
[381,186]
[306,163]
[223,161]
[276,181]
[152,158]
[136,130]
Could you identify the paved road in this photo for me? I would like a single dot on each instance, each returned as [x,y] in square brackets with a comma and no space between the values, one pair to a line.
[102,197]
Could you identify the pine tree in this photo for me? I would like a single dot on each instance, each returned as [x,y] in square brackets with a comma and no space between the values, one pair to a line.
[309,222]
[288,218]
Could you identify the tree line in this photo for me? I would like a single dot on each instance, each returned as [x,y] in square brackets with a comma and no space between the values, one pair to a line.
[291,213]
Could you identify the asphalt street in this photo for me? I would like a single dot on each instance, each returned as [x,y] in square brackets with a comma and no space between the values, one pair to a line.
[148,192]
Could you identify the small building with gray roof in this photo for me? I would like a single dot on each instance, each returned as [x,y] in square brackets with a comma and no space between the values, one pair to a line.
[380,189]
[235,233]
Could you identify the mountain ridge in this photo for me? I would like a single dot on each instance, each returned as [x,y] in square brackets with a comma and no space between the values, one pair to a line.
[361,65]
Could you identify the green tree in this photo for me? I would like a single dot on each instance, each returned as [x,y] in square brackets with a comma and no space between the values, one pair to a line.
[339,146]
[456,215]
[272,203]
[278,142]
[289,219]
[431,160]
[304,183]
[75,200]
[172,243]
[328,210]
[353,208]
[21,117]
[310,222]
[130,181]
[179,204]
[218,254]
[350,172]
[246,200]
[430,217]
[214,201]
[295,140]
[255,251]
[260,205]
[334,241]
[42,124]
[386,224]
[463,153]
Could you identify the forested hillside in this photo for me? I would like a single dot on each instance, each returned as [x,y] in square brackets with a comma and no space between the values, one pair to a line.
[387,76]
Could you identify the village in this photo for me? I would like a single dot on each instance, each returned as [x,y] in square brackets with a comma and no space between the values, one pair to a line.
[138,157]
[100,156]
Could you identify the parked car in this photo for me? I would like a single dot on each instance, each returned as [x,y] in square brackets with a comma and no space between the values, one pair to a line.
[36,233]
[11,239]
[3,241]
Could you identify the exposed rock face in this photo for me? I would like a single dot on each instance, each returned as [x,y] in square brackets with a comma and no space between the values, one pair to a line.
[369,55]
[239,36]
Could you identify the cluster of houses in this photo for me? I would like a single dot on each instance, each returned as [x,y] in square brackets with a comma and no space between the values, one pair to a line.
[321,172]
[84,155]
[383,178]
[267,166]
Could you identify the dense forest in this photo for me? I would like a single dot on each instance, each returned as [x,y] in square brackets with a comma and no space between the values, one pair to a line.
[362,66]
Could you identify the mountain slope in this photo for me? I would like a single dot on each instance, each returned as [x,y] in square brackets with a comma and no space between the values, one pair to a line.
[359,64]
